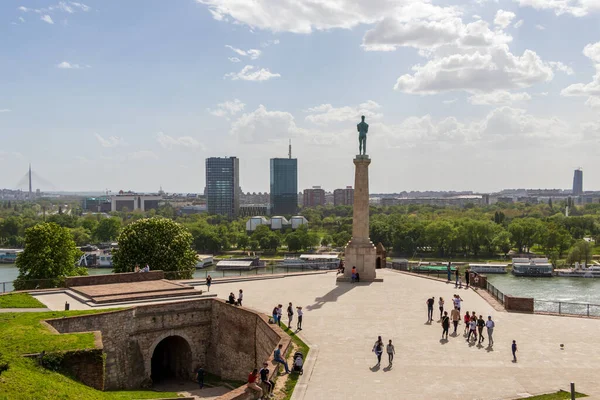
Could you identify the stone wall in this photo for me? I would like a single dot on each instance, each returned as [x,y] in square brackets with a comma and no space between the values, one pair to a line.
[477,280]
[85,366]
[126,277]
[226,340]
[521,304]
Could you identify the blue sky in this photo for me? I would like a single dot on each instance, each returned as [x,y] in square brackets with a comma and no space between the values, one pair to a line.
[459,95]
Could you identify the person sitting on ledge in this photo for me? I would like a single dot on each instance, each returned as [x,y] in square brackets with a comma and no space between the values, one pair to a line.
[146,268]
[278,358]
[137,268]
[252,382]
[231,299]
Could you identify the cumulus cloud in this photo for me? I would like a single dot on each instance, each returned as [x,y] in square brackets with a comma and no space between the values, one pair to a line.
[558,66]
[228,108]
[577,8]
[47,18]
[111,141]
[252,73]
[262,125]
[170,142]
[498,97]
[504,18]
[325,113]
[252,53]
[495,69]
[68,65]
[591,89]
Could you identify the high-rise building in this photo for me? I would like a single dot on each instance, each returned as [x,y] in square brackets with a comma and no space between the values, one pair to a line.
[578,182]
[284,185]
[343,197]
[314,197]
[222,185]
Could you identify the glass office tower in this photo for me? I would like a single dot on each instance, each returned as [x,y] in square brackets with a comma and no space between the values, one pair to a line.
[284,186]
[222,185]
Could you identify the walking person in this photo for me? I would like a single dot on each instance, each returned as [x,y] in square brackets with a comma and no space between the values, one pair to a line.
[455,317]
[467,277]
[456,277]
[490,330]
[480,325]
[300,314]
[514,350]
[200,377]
[441,305]
[208,282]
[240,297]
[353,274]
[429,303]
[467,320]
[449,267]
[274,315]
[378,349]
[445,325]
[472,329]
[278,358]
[390,351]
[457,302]
[290,314]
[252,382]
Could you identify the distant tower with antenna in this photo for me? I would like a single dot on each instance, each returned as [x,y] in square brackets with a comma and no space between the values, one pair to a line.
[290,150]
[30,190]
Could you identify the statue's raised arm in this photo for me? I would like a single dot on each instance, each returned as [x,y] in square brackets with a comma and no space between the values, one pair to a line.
[362,129]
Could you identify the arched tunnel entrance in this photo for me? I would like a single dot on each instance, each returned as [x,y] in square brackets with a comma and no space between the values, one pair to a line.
[172,359]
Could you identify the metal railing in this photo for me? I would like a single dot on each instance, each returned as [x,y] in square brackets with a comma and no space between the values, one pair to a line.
[566,308]
[497,294]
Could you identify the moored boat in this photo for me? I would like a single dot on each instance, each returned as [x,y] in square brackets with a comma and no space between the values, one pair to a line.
[534,267]
[488,268]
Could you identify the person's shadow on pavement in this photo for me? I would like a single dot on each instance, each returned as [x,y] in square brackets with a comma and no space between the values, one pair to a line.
[388,368]
[374,368]
[443,341]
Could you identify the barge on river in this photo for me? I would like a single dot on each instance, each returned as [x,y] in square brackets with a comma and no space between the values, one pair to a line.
[488,268]
[580,271]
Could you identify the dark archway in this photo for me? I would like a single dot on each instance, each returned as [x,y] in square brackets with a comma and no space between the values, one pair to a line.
[172,359]
[378,263]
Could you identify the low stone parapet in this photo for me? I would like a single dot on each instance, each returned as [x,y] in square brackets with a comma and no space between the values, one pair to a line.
[126,277]
[520,304]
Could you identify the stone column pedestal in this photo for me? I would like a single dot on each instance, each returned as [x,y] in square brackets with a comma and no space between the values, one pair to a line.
[360,251]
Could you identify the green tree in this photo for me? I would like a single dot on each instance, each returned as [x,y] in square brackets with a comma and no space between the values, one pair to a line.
[81,236]
[108,229]
[502,241]
[50,254]
[326,241]
[242,241]
[293,242]
[525,232]
[161,243]
[580,252]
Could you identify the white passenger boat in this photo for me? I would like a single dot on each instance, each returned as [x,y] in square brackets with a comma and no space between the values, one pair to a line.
[204,261]
[488,268]
[535,267]
[580,271]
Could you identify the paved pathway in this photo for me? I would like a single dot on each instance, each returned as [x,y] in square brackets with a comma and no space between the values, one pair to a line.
[344,321]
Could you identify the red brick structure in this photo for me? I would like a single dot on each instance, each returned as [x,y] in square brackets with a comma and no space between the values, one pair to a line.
[520,304]
[127,277]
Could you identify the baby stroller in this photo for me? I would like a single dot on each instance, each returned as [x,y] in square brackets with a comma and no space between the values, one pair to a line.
[298,362]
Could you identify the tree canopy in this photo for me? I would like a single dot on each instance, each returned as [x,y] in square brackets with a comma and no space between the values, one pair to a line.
[161,243]
[50,253]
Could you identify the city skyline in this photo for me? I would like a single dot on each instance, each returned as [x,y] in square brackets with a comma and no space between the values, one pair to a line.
[459,95]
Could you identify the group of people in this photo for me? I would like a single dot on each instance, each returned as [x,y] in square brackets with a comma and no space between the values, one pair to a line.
[257,377]
[378,350]
[138,269]
[236,302]
[278,312]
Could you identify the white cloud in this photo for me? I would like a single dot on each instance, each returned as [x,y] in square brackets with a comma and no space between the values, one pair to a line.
[269,43]
[326,113]
[518,24]
[540,27]
[251,73]
[591,89]
[261,126]
[577,8]
[234,59]
[228,108]
[558,66]
[5,110]
[143,155]
[67,65]
[450,101]
[496,69]
[252,53]
[499,97]
[111,141]
[47,18]
[169,142]
[504,18]
[23,9]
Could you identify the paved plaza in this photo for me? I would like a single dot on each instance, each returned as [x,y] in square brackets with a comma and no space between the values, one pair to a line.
[342,321]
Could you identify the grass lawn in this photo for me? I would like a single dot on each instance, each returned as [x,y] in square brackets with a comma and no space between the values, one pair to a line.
[19,300]
[23,333]
[292,378]
[560,395]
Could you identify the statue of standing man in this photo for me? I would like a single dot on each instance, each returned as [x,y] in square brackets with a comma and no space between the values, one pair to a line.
[362,128]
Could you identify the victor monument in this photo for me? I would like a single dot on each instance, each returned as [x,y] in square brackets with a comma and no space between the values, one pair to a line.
[360,252]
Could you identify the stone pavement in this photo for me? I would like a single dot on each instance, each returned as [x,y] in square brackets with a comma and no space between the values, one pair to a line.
[344,321]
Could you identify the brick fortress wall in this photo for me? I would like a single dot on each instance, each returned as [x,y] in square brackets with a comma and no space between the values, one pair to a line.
[126,277]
